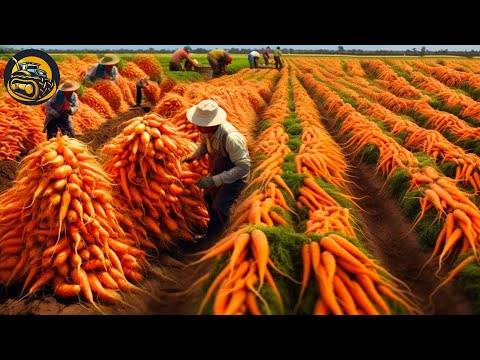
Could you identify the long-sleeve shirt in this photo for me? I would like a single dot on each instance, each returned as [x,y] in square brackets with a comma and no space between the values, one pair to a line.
[277,52]
[57,106]
[179,55]
[235,148]
[266,53]
[220,55]
[255,54]
[98,72]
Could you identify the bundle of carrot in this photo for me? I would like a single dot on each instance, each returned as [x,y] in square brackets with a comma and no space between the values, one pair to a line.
[20,127]
[235,288]
[58,227]
[349,282]
[150,66]
[160,191]
[97,102]
[132,71]
[110,91]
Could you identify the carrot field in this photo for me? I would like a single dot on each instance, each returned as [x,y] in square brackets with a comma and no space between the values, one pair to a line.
[363,197]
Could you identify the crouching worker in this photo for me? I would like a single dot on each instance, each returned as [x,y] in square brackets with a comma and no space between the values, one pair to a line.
[229,162]
[60,109]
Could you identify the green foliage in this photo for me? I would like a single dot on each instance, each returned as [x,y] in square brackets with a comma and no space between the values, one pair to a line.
[288,165]
[294,142]
[264,125]
[429,228]
[425,160]
[371,154]
[469,281]
[410,204]
[449,168]
[294,129]
[399,183]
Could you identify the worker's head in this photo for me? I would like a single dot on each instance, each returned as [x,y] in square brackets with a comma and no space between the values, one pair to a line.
[207,116]
[69,87]
[278,47]
[187,49]
[268,47]
[109,61]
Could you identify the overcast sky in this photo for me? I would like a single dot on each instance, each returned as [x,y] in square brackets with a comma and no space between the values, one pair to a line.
[306,47]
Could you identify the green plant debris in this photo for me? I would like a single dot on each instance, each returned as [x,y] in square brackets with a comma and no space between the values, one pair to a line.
[449,169]
[294,142]
[371,154]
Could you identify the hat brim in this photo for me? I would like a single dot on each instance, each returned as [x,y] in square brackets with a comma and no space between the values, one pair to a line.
[69,88]
[111,62]
[195,119]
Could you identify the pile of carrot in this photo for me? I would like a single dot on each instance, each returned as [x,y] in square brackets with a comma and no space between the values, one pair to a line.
[58,227]
[159,192]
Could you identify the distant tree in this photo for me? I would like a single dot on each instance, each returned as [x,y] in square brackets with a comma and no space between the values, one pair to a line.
[414,50]
[341,49]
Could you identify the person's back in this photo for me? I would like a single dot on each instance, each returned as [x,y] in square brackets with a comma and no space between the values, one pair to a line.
[253,58]
[266,55]
[219,60]
[178,56]
[217,54]
[277,56]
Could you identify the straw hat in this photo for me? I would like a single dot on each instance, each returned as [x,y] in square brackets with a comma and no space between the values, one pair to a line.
[206,113]
[109,60]
[69,85]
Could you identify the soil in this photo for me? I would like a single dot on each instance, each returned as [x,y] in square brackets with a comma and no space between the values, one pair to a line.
[385,227]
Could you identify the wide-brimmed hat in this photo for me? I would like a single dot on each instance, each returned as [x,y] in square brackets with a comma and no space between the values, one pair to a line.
[206,113]
[69,85]
[109,60]
[188,48]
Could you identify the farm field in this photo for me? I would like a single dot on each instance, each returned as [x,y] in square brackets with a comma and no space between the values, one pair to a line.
[363,197]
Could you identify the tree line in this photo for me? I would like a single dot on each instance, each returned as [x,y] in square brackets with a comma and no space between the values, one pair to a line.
[233,50]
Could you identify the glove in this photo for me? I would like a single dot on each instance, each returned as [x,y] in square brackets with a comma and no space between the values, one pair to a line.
[205,182]
[186,159]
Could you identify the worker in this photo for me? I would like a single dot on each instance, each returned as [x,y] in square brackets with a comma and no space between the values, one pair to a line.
[105,69]
[140,85]
[277,56]
[253,58]
[60,109]
[178,56]
[219,60]
[229,162]
[266,55]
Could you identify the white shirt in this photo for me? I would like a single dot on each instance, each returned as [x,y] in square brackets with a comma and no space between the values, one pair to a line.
[255,53]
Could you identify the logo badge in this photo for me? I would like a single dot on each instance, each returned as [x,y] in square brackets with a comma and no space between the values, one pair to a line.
[31,77]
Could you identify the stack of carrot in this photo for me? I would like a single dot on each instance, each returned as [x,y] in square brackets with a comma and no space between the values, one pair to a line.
[111,92]
[58,227]
[159,193]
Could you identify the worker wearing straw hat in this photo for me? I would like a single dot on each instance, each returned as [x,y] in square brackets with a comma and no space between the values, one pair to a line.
[229,162]
[105,69]
[60,109]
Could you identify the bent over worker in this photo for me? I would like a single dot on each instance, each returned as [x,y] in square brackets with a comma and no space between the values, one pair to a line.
[219,60]
[229,162]
[60,109]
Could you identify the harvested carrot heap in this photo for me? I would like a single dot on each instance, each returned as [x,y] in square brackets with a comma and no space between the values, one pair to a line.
[158,191]
[58,227]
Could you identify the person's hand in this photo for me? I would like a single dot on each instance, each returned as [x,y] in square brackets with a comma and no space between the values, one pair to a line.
[186,159]
[205,182]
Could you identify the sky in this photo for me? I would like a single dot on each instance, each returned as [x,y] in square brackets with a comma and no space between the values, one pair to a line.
[297,47]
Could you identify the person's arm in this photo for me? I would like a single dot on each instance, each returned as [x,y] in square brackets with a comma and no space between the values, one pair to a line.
[74,105]
[200,151]
[50,110]
[114,73]
[190,60]
[237,150]
[90,75]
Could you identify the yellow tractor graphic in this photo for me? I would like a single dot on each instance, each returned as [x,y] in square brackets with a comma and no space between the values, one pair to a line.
[29,81]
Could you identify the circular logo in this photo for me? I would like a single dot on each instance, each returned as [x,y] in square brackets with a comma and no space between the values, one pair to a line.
[31,77]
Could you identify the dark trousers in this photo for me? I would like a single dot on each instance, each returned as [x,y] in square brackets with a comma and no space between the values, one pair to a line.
[65,126]
[265,57]
[174,66]
[218,68]
[139,95]
[219,201]
[278,62]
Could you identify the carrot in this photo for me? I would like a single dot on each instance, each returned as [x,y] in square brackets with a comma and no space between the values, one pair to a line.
[42,280]
[63,289]
[344,297]
[453,273]
[328,261]
[239,245]
[307,264]
[252,305]
[237,299]
[261,248]
[320,307]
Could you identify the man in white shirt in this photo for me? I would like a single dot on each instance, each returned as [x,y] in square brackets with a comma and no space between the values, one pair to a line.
[229,162]
[253,58]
